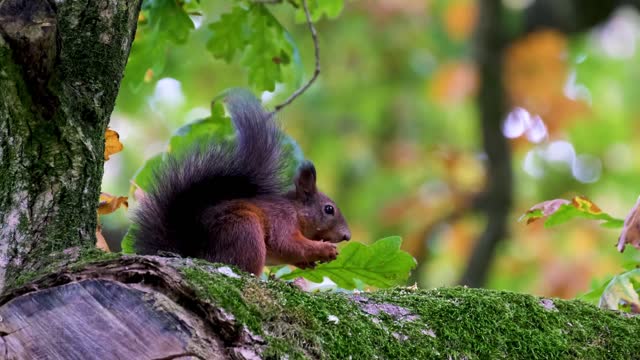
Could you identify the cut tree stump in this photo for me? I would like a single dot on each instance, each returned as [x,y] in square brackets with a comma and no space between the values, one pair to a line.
[135,307]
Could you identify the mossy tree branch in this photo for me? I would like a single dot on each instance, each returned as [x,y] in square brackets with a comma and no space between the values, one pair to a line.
[60,69]
[209,311]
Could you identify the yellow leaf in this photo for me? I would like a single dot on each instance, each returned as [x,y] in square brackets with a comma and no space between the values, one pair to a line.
[112,144]
[586,205]
[109,203]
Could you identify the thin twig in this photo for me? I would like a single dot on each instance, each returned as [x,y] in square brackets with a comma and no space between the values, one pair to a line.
[316,72]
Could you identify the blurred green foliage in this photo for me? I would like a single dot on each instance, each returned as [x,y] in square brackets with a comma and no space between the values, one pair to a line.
[392,123]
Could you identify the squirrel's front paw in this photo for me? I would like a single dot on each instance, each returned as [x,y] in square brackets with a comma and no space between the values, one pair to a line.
[328,252]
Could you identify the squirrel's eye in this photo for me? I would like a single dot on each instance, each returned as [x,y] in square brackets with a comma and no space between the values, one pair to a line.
[328,209]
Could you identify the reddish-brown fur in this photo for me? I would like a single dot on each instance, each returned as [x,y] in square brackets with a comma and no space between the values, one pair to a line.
[229,203]
[262,231]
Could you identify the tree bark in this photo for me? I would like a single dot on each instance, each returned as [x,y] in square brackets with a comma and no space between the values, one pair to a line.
[60,69]
[166,308]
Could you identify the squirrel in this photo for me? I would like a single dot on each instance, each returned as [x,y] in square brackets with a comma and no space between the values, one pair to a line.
[229,203]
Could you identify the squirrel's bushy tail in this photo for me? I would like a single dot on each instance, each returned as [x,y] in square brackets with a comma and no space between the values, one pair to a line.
[168,218]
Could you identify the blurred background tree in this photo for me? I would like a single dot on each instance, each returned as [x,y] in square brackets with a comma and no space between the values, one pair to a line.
[440,121]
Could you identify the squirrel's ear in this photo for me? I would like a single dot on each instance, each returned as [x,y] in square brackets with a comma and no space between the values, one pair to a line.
[306,180]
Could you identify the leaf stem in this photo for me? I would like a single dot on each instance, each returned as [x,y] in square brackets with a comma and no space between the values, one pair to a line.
[316,71]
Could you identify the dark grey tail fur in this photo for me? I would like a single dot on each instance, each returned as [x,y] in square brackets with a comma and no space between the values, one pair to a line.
[168,218]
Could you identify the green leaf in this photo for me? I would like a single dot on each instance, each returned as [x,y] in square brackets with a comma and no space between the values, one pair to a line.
[229,34]
[203,131]
[265,45]
[127,242]
[559,211]
[270,50]
[165,22]
[381,265]
[595,293]
[170,18]
[317,8]
[147,54]
[569,212]
[144,175]
[621,290]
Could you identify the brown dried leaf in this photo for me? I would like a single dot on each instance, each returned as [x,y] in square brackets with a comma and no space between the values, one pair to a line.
[630,233]
[109,203]
[101,243]
[112,144]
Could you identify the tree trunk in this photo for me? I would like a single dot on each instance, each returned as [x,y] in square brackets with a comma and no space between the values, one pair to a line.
[497,199]
[492,38]
[167,308]
[60,69]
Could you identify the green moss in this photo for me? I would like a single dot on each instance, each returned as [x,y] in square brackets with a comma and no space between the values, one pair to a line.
[402,323]
[22,279]
[443,323]
[227,294]
[91,255]
[77,257]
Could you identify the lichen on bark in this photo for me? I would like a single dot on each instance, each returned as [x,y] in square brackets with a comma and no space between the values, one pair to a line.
[54,110]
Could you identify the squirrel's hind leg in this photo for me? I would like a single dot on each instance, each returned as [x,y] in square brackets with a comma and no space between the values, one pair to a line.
[237,238]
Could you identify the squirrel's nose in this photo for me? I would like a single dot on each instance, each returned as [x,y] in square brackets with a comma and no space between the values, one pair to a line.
[346,237]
